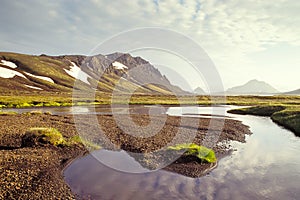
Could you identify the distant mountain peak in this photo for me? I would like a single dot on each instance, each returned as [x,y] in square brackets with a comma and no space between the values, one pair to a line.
[254,80]
[199,91]
[253,87]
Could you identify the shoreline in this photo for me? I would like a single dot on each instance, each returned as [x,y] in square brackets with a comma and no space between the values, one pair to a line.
[50,99]
[287,117]
[39,169]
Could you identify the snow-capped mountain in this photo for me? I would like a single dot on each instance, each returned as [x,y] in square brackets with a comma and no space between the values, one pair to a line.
[103,73]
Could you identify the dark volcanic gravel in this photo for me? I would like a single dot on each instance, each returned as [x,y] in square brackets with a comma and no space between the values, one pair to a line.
[36,172]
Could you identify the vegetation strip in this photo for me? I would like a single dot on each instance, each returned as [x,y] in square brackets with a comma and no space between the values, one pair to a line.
[285,115]
[66,99]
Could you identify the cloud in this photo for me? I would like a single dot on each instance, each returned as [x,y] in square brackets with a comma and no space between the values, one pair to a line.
[244,25]
[228,30]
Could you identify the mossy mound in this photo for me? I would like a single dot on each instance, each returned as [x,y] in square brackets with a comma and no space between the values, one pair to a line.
[41,136]
[203,153]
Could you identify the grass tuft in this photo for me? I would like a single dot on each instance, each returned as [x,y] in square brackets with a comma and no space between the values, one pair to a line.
[203,153]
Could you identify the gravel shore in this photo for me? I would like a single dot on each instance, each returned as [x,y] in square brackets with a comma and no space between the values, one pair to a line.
[36,172]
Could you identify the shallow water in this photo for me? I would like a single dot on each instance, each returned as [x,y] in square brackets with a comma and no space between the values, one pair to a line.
[97,109]
[267,166]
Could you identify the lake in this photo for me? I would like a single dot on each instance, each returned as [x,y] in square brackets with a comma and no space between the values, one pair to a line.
[267,166]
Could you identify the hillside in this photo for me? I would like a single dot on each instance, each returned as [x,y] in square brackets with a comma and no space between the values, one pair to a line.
[253,87]
[294,92]
[104,73]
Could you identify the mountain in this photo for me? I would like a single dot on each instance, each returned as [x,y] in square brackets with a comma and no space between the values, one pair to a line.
[294,92]
[104,73]
[199,91]
[253,87]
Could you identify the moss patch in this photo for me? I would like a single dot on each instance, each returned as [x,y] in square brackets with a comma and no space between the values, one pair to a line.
[78,140]
[203,153]
[37,135]
[7,113]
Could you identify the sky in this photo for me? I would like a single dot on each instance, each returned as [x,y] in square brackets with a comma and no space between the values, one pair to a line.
[249,39]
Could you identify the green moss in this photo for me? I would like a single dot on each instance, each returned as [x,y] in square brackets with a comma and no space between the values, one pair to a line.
[48,135]
[52,104]
[203,153]
[23,105]
[52,136]
[5,113]
[78,140]
[66,104]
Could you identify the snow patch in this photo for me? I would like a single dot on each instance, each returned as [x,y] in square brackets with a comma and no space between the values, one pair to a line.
[36,88]
[40,77]
[9,64]
[8,73]
[77,73]
[118,65]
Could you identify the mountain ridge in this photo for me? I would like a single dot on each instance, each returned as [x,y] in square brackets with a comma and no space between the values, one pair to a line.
[293,92]
[104,73]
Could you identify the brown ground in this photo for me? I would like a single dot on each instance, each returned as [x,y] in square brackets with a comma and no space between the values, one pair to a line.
[36,172]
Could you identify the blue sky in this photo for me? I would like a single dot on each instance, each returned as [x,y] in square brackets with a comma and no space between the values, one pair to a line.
[249,39]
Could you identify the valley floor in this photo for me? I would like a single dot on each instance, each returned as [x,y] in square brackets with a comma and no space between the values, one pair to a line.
[35,171]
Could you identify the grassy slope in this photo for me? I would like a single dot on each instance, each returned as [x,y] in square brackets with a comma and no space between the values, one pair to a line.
[53,67]
[42,66]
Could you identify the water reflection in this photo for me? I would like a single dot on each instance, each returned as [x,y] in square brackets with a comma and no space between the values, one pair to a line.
[266,167]
[119,160]
[97,109]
